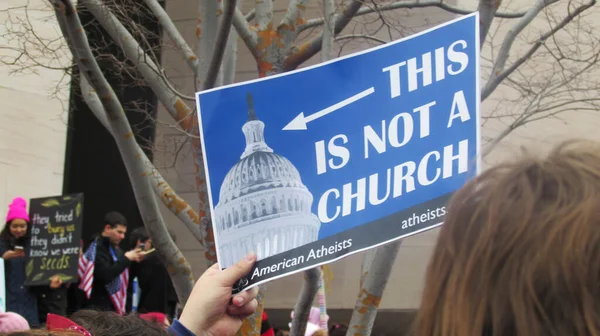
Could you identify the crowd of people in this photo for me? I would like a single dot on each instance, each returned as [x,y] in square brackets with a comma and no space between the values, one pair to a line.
[517,256]
[107,264]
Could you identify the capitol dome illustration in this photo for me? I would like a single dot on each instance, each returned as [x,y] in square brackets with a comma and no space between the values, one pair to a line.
[263,205]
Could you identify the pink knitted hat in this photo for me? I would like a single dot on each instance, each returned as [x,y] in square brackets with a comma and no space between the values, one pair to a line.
[10,322]
[17,209]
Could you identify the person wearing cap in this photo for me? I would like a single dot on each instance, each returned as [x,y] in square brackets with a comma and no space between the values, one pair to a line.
[12,322]
[13,241]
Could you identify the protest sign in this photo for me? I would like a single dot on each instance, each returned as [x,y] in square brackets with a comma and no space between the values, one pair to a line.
[309,166]
[56,224]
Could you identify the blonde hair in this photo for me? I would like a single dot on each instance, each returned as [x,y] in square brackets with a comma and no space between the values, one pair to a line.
[519,251]
[320,332]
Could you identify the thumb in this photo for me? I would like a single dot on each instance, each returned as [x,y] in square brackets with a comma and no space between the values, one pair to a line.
[232,274]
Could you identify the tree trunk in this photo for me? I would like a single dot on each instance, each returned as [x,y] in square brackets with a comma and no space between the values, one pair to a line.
[376,272]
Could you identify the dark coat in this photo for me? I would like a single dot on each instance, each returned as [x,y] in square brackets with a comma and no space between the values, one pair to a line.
[105,270]
[52,301]
[19,299]
[156,287]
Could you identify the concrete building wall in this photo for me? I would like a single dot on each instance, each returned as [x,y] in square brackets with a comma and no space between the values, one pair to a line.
[32,123]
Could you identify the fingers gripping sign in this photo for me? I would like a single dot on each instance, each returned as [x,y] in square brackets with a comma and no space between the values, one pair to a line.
[211,310]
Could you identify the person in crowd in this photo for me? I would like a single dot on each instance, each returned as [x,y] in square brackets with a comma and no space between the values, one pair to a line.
[110,266]
[10,322]
[14,239]
[518,252]
[265,328]
[159,318]
[157,293]
[51,299]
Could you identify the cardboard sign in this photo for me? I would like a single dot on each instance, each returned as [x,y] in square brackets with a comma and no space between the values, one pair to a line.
[310,166]
[56,224]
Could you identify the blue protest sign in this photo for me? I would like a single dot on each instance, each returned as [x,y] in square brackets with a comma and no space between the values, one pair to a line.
[312,165]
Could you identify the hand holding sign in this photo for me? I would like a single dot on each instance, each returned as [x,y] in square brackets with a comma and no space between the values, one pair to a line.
[55,282]
[385,137]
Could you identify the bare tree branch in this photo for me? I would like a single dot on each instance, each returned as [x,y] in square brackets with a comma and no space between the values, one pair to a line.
[307,50]
[327,43]
[73,31]
[498,71]
[250,15]
[242,27]
[487,11]
[220,45]
[379,264]
[264,14]
[169,28]
[294,12]
[360,36]
[144,64]
[305,300]
[206,32]
[230,58]
[410,4]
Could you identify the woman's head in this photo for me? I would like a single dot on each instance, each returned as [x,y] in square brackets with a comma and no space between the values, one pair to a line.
[17,219]
[519,251]
[100,323]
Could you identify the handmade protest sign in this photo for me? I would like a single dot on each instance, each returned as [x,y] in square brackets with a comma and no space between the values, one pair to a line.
[312,165]
[56,224]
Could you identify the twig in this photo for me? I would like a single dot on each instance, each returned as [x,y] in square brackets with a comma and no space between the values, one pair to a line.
[498,71]
[220,45]
[173,33]
[300,54]
[410,4]
[242,27]
[363,36]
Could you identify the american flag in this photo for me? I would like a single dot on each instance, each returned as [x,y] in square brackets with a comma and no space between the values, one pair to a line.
[117,288]
[118,291]
[86,270]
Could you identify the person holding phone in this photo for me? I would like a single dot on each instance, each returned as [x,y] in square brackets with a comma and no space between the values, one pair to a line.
[13,241]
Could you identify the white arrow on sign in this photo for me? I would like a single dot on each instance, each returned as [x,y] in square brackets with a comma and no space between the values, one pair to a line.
[299,123]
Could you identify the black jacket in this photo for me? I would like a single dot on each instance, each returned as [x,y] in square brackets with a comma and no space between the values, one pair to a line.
[52,301]
[105,270]
[157,291]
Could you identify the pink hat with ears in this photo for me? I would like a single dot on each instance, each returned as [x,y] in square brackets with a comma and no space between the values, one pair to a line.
[17,209]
